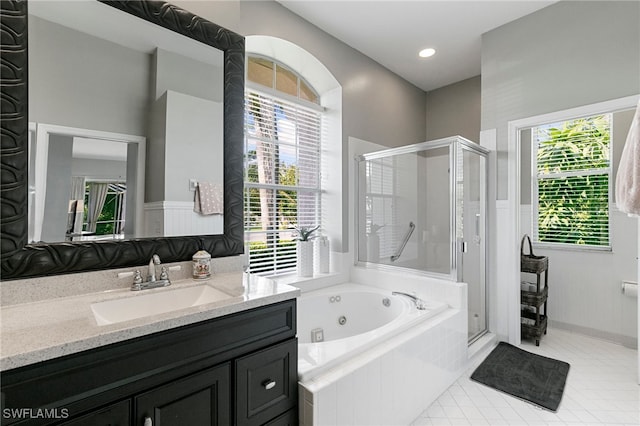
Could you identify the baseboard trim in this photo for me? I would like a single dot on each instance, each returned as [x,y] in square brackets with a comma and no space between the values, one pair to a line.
[626,341]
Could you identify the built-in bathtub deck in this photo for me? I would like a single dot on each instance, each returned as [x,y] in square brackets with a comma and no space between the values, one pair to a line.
[363,305]
[386,375]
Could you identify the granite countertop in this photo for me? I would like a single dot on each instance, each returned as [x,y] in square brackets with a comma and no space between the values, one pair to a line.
[42,330]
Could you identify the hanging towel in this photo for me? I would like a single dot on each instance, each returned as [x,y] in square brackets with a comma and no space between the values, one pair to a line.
[209,198]
[628,177]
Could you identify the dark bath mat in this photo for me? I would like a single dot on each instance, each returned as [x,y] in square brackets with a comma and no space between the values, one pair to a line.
[534,378]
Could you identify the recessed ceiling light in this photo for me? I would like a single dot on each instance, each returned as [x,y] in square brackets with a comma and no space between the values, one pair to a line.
[425,53]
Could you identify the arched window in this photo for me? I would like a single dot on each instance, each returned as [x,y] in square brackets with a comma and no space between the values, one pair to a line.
[283,137]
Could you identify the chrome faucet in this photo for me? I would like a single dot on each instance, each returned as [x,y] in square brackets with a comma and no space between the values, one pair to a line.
[151,276]
[420,304]
[152,281]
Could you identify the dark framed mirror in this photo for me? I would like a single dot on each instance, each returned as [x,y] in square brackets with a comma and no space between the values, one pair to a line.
[19,259]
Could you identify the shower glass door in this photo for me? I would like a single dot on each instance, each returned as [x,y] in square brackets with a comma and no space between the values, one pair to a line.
[471,203]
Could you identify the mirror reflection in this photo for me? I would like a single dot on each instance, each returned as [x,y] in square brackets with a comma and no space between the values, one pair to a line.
[122,140]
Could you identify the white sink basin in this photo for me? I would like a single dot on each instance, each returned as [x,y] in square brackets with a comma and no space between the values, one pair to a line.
[152,302]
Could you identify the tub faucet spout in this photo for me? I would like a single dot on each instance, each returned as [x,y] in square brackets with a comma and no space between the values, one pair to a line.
[420,304]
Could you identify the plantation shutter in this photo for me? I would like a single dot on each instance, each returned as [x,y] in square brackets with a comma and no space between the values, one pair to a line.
[571,185]
[282,178]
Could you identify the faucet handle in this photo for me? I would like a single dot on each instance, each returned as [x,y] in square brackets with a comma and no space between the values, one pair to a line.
[137,281]
[164,275]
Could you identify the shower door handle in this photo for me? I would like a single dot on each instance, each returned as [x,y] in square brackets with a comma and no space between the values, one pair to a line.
[462,245]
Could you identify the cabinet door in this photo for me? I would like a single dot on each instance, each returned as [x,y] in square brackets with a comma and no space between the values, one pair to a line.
[118,414]
[290,418]
[266,383]
[201,399]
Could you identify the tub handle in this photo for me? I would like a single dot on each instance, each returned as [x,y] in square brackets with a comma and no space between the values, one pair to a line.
[269,384]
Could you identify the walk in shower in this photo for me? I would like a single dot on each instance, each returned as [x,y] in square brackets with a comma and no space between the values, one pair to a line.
[423,207]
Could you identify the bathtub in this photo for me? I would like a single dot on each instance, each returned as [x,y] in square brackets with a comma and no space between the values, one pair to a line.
[338,322]
[367,357]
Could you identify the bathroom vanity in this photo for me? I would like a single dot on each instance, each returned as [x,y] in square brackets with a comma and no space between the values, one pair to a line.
[221,363]
[111,357]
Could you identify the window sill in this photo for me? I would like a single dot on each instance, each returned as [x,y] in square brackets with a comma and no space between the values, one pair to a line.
[572,247]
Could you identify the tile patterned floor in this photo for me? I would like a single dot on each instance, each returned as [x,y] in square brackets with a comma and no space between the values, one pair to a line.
[601,389]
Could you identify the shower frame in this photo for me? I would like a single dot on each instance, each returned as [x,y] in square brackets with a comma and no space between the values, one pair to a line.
[457,145]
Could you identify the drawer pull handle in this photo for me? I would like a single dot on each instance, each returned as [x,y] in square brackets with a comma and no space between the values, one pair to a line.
[148,421]
[269,384]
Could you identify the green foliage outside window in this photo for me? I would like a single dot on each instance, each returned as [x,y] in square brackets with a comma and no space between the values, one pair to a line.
[286,200]
[573,181]
[106,220]
[262,255]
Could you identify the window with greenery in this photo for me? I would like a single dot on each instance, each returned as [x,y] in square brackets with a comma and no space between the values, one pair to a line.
[282,163]
[110,220]
[572,168]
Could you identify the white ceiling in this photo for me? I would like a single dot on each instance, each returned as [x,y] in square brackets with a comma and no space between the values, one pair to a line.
[392,32]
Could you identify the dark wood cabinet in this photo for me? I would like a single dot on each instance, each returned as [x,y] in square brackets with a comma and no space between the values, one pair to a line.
[266,384]
[290,418]
[200,399]
[118,414]
[237,369]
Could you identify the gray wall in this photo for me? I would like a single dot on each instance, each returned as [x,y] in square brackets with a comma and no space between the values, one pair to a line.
[569,54]
[185,133]
[99,169]
[454,110]
[155,161]
[377,105]
[82,81]
[54,222]
[189,123]
[186,75]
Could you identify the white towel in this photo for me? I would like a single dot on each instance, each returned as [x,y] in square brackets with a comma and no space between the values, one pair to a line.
[209,198]
[628,177]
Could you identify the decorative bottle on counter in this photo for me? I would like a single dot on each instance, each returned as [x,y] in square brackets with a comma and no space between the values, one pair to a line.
[322,254]
[201,265]
[304,258]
